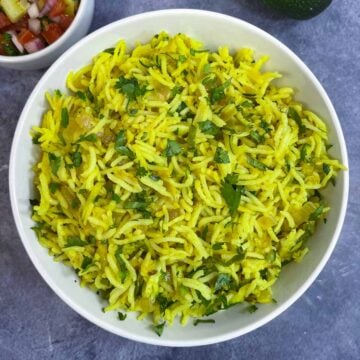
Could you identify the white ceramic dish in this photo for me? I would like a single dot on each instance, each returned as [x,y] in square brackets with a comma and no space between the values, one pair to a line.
[43,58]
[214,30]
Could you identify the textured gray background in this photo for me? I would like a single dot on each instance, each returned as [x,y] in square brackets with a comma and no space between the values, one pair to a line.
[323,324]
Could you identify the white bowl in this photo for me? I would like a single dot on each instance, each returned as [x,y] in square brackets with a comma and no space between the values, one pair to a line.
[43,58]
[214,30]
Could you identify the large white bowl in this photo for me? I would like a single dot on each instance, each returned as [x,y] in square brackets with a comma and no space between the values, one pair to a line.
[43,58]
[214,30]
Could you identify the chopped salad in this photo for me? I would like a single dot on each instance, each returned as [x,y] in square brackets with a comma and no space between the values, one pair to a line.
[27,26]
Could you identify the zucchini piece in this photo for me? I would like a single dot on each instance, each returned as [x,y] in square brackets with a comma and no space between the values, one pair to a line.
[14,9]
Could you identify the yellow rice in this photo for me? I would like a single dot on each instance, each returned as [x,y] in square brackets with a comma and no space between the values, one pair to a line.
[150,227]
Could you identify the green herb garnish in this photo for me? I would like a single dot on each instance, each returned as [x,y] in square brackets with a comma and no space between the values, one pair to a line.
[64,117]
[74,241]
[159,329]
[221,156]
[123,269]
[86,262]
[293,114]
[218,93]
[121,316]
[222,281]
[130,87]
[76,158]
[120,147]
[231,193]
[251,309]
[209,128]
[172,148]
[317,213]
[203,321]
[53,187]
[256,163]
[55,162]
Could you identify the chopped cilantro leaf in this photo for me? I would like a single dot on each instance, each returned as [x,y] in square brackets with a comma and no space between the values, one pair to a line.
[256,163]
[81,95]
[90,138]
[218,93]
[293,114]
[159,328]
[130,87]
[55,162]
[172,148]
[203,321]
[209,128]
[64,117]
[222,281]
[76,158]
[317,213]
[251,309]
[86,262]
[53,187]
[122,266]
[121,316]
[326,168]
[221,156]
[74,241]
[231,193]
[256,137]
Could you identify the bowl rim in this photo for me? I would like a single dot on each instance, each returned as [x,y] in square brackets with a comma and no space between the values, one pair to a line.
[4,59]
[217,338]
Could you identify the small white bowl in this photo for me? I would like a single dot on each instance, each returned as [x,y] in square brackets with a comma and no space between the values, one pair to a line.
[43,58]
[214,30]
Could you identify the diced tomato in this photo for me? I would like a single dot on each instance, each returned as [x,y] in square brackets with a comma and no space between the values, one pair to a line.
[4,20]
[65,21]
[57,9]
[52,32]
[22,24]
[25,36]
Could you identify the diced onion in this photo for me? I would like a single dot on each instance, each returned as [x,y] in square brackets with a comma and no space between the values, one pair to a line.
[47,7]
[35,26]
[34,45]
[33,11]
[15,41]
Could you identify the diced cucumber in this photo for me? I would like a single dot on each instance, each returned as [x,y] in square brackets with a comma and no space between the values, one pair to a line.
[70,7]
[14,9]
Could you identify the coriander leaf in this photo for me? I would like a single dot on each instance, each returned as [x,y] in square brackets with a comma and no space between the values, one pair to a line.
[75,203]
[236,258]
[182,58]
[163,302]
[130,87]
[251,309]
[232,178]
[218,246]
[326,168]
[293,114]
[86,262]
[120,147]
[222,281]
[256,163]
[116,198]
[232,195]
[109,51]
[91,239]
[256,137]
[265,126]
[176,90]
[55,162]
[141,171]
[57,92]
[193,52]
[159,328]
[74,241]
[203,321]
[35,139]
[218,93]
[122,266]
[172,148]
[221,156]
[124,150]
[34,202]
[89,95]
[90,138]
[303,152]
[132,112]
[264,274]
[137,201]
[81,95]
[64,117]
[53,187]
[317,213]
[121,316]
[205,232]
[120,139]
[209,128]
[76,158]
[246,104]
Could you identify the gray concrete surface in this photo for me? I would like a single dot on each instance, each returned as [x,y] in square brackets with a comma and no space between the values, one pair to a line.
[323,324]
